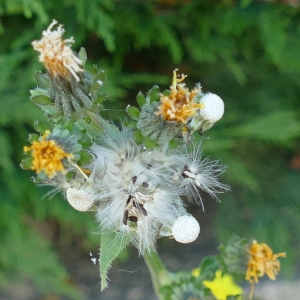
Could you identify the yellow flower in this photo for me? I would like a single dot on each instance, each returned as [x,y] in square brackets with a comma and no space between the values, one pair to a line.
[261,261]
[56,54]
[47,156]
[179,105]
[223,286]
[196,272]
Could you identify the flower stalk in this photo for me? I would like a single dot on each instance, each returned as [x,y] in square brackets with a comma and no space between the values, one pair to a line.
[160,276]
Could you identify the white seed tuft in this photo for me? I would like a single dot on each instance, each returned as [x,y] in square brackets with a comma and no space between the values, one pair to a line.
[213,107]
[79,199]
[185,229]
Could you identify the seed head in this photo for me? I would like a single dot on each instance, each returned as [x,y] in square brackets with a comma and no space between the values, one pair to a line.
[79,199]
[213,108]
[185,229]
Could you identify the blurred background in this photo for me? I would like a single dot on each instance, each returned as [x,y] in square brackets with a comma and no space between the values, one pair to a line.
[247,52]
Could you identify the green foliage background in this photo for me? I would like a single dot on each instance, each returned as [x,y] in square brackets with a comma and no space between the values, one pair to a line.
[245,51]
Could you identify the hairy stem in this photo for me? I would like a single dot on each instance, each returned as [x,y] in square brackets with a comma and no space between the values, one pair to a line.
[159,274]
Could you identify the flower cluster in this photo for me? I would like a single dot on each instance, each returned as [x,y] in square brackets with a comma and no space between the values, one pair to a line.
[138,192]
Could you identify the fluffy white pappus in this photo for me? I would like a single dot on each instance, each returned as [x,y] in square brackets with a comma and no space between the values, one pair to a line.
[141,215]
[201,174]
[185,229]
[119,144]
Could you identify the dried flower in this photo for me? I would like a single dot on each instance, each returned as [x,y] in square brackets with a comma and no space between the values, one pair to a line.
[178,106]
[223,286]
[262,260]
[56,54]
[47,156]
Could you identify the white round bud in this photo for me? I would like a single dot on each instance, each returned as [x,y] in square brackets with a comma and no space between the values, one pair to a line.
[185,229]
[79,199]
[213,108]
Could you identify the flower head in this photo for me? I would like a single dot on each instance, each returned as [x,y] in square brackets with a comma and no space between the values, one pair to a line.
[223,286]
[178,106]
[185,229]
[47,156]
[261,261]
[56,54]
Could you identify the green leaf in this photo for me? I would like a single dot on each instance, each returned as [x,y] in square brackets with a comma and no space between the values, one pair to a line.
[154,94]
[141,100]
[149,144]
[138,137]
[85,158]
[38,92]
[42,79]
[112,243]
[41,100]
[86,142]
[40,127]
[26,163]
[33,137]
[82,56]
[133,112]
[69,125]
[173,144]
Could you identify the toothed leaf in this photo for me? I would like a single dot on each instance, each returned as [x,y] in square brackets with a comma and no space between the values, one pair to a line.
[112,243]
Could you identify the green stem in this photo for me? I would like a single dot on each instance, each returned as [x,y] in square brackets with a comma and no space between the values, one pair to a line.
[159,274]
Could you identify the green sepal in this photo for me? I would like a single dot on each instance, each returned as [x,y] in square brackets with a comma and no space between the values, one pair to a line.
[40,127]
[82,56]
[33,137]
[133,112]
[154,94]
[112,243]
[140,99]
[41,100]
[85,158]
[26,163]
[149,144]
[42,79]
[138,137]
